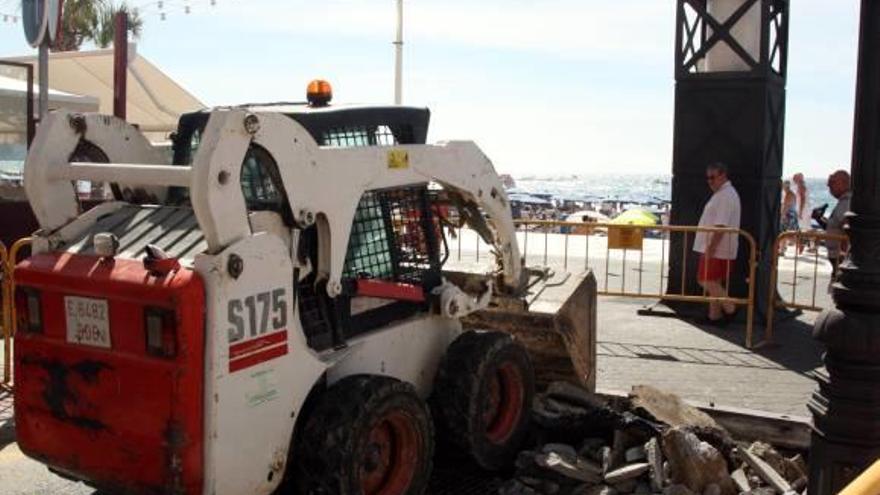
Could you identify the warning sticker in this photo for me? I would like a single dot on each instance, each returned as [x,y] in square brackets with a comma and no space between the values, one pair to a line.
[624,238]
[398,159]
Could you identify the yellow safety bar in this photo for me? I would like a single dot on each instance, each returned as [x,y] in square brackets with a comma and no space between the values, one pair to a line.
[8,260]
[775,298]
[868,483]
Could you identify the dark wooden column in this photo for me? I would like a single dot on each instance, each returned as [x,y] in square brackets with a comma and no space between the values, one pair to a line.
[846,405]
[120,64]
[731,58]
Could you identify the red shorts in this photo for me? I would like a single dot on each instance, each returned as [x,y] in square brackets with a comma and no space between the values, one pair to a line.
[712,269]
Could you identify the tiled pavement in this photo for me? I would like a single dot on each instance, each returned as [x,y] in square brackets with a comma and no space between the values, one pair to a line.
[707,365]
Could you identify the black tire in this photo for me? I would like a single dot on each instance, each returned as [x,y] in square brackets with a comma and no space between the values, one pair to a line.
[482,397]
[368,435]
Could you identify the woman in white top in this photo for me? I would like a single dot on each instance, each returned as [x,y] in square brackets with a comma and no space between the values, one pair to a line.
[803,206]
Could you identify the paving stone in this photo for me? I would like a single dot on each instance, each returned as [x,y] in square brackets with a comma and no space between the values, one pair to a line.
[712,489]
[634,454]
[767,473]
[566,451]
[695,463]
[627,472]
[740,480]
[655,464]
[575,471]
[677,490]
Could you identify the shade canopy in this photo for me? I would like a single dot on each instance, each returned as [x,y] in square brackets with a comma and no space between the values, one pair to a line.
[635,217]
[13,104]
[155,101]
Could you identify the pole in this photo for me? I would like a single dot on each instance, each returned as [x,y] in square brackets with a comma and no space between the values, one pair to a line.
[845,406]
[120,64]
[398,56]
[43,62]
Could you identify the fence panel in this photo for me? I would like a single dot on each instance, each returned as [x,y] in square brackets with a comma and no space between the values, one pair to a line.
[811,274]
[624,258]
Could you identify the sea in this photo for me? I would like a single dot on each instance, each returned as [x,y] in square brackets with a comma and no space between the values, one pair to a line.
[627,188]
[631,188]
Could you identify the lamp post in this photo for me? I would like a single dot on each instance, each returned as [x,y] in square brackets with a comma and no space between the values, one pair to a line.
[398,56]
[846,405]
[41,20]
[730,71]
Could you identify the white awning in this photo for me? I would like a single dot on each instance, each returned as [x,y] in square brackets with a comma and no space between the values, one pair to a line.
[13,105]
[155,101]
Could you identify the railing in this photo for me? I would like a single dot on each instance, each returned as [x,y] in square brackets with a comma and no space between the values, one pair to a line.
[809,300]
[609,249]
[8,259]
[5,315]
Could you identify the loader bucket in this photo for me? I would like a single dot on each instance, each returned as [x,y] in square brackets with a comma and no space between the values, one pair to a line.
[555,319]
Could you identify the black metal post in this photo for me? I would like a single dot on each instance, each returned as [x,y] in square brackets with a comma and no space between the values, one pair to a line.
[846,405]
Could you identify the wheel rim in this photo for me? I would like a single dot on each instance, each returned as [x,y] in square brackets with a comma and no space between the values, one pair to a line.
[504,403]
[391,456]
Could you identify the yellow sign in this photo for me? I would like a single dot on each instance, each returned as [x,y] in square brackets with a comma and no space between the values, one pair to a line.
[625,238]
[398,159]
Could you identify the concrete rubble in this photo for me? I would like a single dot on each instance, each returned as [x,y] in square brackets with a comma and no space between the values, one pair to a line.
[651,443]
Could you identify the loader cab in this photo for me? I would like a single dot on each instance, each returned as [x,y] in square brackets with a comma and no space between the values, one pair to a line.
[353,125]
[396,248]
[338,126]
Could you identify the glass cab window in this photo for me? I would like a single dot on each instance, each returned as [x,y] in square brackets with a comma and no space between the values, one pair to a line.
[260,181]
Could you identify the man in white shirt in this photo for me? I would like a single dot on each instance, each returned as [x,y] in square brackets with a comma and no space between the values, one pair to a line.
[718,250]
[839,187]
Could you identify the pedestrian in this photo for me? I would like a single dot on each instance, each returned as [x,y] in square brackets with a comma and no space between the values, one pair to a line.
[788,214]
[805,220]
[718,250]
[839,187]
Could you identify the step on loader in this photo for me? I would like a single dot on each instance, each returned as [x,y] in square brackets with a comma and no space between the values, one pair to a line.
[270,312]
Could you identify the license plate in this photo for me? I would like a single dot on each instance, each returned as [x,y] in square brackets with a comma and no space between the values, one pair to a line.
[88,322]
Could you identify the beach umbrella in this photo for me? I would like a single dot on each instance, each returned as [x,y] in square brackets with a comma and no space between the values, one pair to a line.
[635,216]
[587,215]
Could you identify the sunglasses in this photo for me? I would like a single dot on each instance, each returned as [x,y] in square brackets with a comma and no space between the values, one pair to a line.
[712,177]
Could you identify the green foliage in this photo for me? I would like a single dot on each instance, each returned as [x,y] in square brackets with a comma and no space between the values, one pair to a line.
[92,21]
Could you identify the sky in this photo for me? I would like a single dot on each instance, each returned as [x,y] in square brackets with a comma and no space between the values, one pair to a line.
[549,87]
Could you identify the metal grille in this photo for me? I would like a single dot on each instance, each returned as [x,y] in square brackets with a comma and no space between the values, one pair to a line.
[358,136]
[388,239]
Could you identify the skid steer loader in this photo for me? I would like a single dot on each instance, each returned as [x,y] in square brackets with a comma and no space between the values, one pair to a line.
[270,312]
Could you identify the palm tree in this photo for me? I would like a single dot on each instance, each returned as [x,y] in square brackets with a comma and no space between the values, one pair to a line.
[92,20]
[107,25]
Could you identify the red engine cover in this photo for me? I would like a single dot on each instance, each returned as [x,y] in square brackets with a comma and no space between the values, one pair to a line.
[118,418]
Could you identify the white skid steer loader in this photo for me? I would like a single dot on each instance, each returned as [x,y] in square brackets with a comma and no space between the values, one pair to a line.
[270,311]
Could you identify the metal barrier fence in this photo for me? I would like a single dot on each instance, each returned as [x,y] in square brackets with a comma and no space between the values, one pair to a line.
[608,249]
[790,299]
[5,314]
[8,321]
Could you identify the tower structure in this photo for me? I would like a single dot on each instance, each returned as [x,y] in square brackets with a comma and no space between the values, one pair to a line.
[730,72]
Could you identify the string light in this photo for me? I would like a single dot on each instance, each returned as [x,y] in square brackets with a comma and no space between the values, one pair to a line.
[10,9]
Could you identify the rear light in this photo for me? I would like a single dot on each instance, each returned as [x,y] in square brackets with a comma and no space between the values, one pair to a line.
[161,332]
[28,310]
